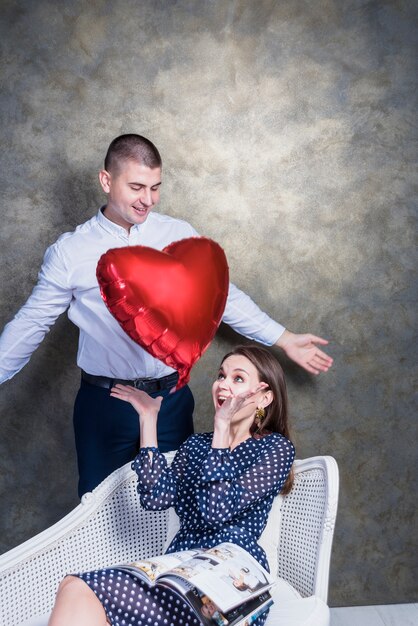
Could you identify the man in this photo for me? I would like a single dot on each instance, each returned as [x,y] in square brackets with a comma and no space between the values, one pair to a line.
[106,429]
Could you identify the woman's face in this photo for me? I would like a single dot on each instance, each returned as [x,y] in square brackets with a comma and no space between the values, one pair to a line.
[236,375]
[208,609]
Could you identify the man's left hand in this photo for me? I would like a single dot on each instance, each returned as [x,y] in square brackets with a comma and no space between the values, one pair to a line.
[302,349]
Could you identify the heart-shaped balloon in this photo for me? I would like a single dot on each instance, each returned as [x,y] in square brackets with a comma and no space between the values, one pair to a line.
[170,302]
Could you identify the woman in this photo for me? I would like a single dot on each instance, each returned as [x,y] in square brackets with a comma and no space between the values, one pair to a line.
[222,485]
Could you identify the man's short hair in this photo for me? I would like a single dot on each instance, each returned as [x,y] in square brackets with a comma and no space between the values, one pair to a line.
[131,147]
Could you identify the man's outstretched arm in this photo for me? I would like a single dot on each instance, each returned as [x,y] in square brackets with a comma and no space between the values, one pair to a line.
[23,334]
[243,314]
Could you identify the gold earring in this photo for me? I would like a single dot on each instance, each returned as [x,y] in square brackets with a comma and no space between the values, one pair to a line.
[259,416]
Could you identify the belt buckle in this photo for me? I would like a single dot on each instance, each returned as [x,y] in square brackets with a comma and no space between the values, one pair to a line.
[139,383]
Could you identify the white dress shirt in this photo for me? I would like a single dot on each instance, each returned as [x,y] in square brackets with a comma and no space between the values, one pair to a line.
[67,279]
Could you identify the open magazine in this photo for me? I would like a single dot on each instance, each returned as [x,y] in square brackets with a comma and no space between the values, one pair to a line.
[224,585]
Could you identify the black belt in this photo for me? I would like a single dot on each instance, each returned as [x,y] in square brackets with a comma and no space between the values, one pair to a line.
[150,385]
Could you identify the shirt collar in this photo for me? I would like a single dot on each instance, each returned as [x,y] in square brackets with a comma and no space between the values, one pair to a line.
[113,228]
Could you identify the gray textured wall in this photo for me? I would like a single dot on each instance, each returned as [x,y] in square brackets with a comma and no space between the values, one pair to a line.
[286,129]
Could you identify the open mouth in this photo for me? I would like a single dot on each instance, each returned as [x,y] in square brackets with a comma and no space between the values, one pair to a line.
[221,401]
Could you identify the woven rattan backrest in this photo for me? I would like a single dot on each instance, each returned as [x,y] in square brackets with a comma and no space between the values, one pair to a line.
[307,525]
[115,530]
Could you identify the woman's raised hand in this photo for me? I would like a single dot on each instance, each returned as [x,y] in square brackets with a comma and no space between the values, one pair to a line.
[233,404]
[223,431]
[147,408]
[143,403]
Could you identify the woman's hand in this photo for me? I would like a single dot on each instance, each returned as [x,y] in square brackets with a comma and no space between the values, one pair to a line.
[222,434]
[147,409]
[143,403]
[233,404]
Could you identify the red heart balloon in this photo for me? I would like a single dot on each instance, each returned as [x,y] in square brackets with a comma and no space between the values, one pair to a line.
[170,302]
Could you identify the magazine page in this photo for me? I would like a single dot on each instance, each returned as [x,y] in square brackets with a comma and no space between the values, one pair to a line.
[207,612]
[227,574]
[247,613]
[150,569]
[210,615]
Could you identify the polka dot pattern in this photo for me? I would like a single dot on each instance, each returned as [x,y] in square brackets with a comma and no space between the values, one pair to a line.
[219,495]
[128,601]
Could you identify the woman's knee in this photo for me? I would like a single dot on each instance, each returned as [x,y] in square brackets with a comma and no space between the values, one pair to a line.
[72,585]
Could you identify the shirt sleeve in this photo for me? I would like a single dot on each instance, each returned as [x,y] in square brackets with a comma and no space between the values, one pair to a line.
[50,297]
[224,492]
[158,483]
[244,316]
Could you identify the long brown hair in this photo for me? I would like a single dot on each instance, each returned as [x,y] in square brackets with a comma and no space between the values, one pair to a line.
[276,418]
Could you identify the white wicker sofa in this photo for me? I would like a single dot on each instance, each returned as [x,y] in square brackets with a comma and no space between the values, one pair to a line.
[109,526]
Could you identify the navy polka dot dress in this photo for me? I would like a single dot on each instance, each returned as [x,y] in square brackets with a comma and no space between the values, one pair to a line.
[219,495]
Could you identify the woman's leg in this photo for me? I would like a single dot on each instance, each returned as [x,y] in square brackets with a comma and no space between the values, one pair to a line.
[76,603]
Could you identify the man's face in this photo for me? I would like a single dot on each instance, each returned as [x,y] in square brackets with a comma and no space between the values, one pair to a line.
[132,192]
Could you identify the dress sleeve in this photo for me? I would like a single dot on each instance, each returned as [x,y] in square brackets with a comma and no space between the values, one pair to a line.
[224,492]
[157,483]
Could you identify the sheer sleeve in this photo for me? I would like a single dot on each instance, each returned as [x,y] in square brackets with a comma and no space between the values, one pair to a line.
[224,492]
[157,483]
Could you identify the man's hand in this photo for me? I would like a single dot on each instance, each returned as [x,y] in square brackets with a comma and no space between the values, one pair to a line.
[302,349]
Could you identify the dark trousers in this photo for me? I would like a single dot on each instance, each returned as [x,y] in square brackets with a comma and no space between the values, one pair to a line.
[107,430]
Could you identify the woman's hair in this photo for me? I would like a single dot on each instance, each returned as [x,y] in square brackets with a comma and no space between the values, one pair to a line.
[276,418]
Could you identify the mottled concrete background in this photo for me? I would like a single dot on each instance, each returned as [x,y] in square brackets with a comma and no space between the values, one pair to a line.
[286,130]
